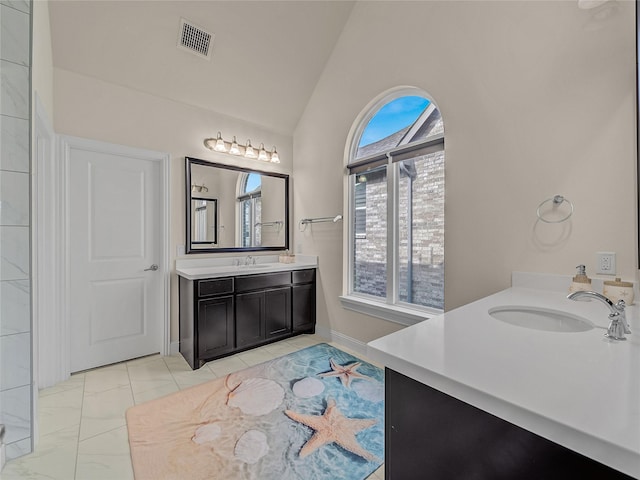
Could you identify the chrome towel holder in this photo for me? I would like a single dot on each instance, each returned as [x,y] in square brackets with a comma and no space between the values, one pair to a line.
[556,202]
[302,225]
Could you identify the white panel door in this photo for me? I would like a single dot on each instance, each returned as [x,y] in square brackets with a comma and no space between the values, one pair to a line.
[115,296]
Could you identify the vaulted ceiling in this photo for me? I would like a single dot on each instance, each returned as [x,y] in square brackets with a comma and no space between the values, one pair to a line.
[267,56]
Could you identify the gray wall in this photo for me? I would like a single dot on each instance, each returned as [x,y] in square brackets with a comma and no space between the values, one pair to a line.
[15,256]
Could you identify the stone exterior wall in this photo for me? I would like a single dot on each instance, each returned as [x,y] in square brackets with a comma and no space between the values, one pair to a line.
[427,263]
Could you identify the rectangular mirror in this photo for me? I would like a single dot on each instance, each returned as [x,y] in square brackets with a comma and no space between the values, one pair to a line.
[235,209]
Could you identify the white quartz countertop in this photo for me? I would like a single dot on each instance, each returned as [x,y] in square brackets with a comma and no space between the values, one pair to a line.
[199,268]
[580,390]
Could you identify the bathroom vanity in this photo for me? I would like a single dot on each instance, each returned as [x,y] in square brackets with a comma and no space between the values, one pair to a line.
[477,394]
[225,309]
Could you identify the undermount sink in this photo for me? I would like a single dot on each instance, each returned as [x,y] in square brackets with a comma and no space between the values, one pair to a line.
[257,265]
[538,318]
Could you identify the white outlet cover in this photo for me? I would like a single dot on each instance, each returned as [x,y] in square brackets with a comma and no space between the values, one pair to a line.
[601,260]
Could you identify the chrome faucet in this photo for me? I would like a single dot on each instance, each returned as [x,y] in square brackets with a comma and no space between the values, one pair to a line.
[618,325]
[249,260]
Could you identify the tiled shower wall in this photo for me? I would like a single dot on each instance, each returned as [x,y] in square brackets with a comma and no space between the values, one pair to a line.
[15,256]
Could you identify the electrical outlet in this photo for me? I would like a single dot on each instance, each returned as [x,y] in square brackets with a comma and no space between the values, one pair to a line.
[606,263]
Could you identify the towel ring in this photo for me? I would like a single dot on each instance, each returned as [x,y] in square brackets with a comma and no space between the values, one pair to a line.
[557,200]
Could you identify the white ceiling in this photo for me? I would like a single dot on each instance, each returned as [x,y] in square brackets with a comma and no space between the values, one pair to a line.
[267,55]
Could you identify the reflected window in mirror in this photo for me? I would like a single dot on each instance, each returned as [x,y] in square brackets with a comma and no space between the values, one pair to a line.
[250,203]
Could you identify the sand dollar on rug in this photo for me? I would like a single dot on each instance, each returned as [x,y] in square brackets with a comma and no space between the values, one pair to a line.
[313,414]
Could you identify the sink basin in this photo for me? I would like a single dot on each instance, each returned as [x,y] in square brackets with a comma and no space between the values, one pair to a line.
[538,318]
[257,265]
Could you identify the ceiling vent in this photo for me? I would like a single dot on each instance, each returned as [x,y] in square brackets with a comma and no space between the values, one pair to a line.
[194,39]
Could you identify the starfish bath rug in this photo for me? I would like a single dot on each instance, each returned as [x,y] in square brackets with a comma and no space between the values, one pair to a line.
[313,414]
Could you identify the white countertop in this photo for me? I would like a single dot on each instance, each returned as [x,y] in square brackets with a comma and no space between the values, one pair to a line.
[580,390]
[199,268]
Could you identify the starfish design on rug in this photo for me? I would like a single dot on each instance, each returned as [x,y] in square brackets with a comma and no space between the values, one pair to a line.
[333,427]
[346,373]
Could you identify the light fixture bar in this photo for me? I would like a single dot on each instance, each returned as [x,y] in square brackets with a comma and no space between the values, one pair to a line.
[236,149]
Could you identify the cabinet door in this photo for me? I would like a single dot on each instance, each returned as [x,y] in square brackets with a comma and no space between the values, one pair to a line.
[277,312]
[215,326]
[304,307]
[250,325]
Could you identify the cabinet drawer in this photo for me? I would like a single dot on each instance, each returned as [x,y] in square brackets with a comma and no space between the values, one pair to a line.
[304,276]
[254,282]
[215,287]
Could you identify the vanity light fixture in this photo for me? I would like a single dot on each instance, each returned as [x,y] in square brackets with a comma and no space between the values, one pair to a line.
[249,152]
[262,154]
[275,158]
[199,188]
[235,148]
[218,144]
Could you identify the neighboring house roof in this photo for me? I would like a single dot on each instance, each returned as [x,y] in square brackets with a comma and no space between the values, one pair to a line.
[383,145]
[425,125]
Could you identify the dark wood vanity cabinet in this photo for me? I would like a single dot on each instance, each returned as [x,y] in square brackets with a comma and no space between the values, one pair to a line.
[303,298]
[262,315]
[222,316]
[441,437]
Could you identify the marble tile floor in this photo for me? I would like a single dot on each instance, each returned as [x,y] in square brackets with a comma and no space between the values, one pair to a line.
[82,427]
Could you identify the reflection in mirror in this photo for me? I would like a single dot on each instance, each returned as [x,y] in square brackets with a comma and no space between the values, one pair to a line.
[204,227]
[235,209]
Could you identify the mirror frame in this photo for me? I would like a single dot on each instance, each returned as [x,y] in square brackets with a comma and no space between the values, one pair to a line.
[187,175]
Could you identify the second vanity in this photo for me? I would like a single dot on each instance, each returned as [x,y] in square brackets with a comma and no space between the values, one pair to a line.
[469,395]
[233,304]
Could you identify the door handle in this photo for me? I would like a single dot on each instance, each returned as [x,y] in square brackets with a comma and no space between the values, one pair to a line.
[153,268]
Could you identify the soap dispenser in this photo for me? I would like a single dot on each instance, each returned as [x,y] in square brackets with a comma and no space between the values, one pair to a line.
[580,282]
[616,290]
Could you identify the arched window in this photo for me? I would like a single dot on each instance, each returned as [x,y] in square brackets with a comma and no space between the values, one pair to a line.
[396,185]
[250,210]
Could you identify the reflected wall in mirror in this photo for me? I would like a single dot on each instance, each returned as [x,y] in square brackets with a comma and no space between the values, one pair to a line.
[235,209]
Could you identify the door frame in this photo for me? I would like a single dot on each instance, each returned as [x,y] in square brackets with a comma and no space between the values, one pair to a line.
[65,143]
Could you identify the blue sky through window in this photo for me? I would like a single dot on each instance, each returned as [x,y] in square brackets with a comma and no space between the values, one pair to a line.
[393,117]
[253,182]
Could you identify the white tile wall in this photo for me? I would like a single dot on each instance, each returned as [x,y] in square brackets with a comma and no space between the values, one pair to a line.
[15,361]
[15,255]
[14,89]
[14,252]
[14,35]
[14,148]
[16,413]
[15,298]
[21,5]
[14,198]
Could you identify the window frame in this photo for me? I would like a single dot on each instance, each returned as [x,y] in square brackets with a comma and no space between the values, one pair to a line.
[389,307]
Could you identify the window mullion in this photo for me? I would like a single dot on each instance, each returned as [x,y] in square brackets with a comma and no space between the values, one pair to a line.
[392,232]
[350,232]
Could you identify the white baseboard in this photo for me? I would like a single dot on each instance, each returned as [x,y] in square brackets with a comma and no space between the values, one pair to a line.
[330,335]
[342,339]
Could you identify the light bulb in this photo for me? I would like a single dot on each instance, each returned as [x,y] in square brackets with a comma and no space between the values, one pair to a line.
[235,149]
[249,151]
[220,146]
[274,156]
[262,154]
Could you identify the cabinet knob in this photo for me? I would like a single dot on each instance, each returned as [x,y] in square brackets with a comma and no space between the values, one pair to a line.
[153,268]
